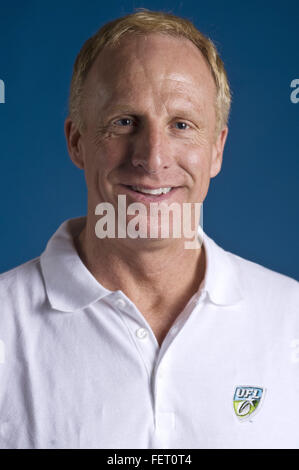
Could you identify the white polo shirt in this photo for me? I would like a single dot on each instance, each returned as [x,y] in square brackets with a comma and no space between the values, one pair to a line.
[81,368]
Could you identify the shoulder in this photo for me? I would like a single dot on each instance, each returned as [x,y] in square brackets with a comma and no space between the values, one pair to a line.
[19,272]
[262,282]
[22,284]
[257,284]
[258,273]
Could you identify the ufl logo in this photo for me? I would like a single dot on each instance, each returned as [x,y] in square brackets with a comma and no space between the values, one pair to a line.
[247,400]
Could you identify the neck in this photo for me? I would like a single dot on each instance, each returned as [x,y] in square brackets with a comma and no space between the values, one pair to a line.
[156,270]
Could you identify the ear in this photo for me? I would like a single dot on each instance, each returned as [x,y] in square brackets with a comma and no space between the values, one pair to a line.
[74,145]
[217,152]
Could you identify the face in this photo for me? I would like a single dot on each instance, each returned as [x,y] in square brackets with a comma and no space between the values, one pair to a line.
[149,114]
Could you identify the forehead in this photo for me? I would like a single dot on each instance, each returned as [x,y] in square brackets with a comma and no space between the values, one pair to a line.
[155,64]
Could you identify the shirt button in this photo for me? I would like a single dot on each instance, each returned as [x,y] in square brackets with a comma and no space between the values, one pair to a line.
[120,302]
[141,333]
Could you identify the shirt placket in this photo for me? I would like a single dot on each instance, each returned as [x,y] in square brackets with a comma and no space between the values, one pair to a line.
[155,360]
[139,330]
[165,415]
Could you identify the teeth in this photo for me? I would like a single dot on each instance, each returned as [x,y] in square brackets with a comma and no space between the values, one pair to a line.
[151,191]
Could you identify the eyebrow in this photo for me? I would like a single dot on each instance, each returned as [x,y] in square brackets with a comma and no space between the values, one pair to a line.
[122,109]
[184,112]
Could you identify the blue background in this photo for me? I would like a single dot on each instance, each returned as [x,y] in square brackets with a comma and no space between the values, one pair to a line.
[251,208]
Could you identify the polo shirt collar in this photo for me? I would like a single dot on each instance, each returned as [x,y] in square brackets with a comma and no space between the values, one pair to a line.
[70,286]
[222,277]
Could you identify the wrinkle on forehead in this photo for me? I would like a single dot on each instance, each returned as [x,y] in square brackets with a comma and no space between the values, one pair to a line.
[154,68]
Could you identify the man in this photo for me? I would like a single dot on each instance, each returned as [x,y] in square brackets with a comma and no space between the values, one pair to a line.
[139,342]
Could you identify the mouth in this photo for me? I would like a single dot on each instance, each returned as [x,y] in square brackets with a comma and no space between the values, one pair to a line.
[153,191]
[150,194]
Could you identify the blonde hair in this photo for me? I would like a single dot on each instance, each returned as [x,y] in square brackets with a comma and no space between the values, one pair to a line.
[145,22]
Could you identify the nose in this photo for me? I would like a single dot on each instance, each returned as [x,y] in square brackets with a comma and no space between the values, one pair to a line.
[152,150]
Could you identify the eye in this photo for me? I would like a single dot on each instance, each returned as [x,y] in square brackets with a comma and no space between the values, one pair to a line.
[124,122]
[181,125]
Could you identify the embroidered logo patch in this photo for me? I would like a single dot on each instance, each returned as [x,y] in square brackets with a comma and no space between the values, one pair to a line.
[247,400]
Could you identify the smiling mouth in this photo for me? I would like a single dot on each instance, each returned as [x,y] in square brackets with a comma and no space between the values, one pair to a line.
[151,191]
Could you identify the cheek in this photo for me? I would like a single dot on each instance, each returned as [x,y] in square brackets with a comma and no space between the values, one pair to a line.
[197,152]
[197,163]
[104,157]
[194,160]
